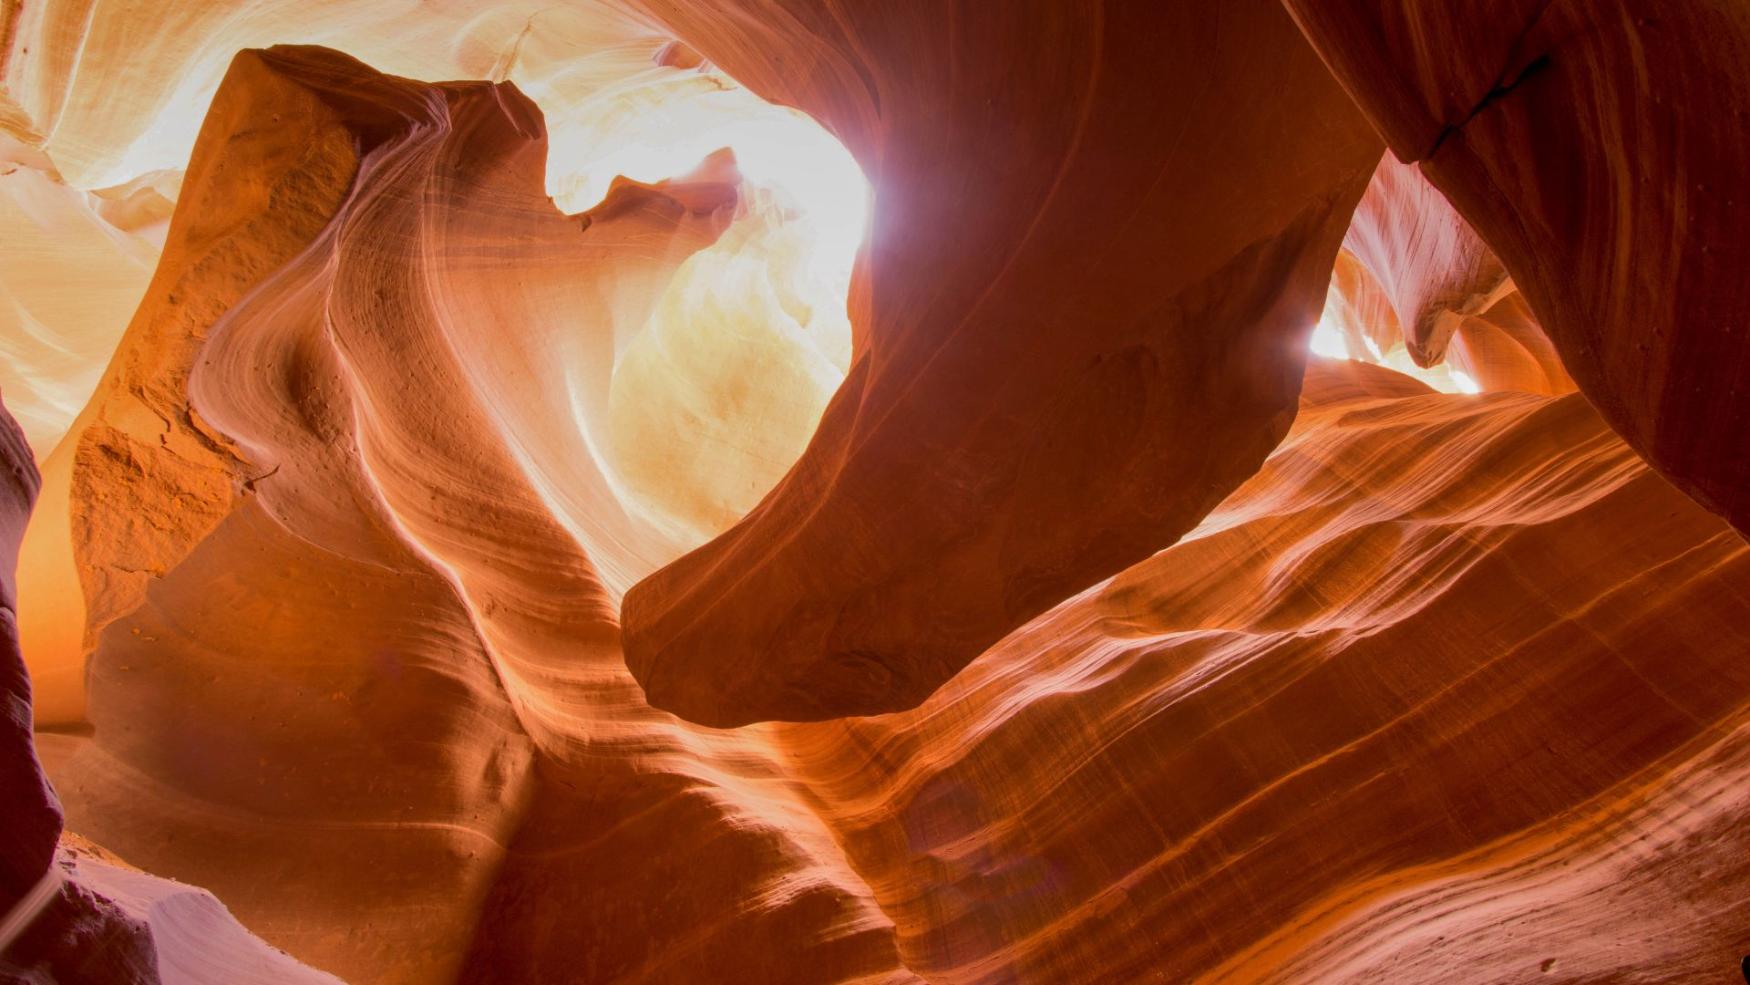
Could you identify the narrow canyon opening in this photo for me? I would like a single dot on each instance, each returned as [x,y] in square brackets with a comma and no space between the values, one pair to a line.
[870,493]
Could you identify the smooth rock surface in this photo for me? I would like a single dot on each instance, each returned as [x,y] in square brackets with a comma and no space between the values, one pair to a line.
[1066,364]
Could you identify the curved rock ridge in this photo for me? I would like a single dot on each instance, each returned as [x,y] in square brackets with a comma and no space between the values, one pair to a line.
[1197,660]
[100,103]
[707,405]
[1032,406]
[1450,690]
[1599,148]
[335,616]
[183,934]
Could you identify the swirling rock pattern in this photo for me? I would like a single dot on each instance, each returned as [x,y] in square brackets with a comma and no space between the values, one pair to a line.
[1430,263]
[1422,687]
[400,651]
[1420,701]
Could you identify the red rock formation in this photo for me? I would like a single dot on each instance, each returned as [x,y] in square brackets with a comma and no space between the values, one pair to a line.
[1409,260]
[1068,361]
[1429,262]
[1599,148]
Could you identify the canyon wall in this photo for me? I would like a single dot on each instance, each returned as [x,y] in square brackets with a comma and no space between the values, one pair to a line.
[469,567]
[1598,147]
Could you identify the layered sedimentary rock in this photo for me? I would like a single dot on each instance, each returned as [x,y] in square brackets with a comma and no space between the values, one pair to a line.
[705,410]
[311,498]
[67,914]
[1359,322]
[49,926]
[1599,148]
[1428,261]
[1066,364]
[1451,690]
[1441,688]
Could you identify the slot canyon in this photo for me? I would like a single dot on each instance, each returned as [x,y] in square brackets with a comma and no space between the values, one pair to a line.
[985,492]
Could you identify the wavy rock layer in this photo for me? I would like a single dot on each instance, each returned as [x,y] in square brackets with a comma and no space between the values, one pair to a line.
[1428,261]
[335,619]
[1599,148]
[1067,363]
[1452,689]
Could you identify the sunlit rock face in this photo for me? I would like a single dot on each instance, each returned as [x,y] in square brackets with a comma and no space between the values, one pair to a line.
[1409,260]
[437,683]
[419,556]
[70,277]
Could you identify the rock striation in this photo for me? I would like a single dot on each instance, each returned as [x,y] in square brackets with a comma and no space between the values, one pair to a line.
[1415,289]
[398,648]
[549,529]
[1450,690]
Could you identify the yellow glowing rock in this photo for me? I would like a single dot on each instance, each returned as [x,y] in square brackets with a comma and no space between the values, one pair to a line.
[721,391]
[69,280]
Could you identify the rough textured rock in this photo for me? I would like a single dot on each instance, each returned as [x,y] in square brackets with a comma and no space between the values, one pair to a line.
[1599,148]
[194,939]
[1034,402]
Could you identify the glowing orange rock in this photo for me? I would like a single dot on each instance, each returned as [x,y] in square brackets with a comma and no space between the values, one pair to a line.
[336,615]
[1452,689]
[1448,299]
[1442,688]
[1431,264]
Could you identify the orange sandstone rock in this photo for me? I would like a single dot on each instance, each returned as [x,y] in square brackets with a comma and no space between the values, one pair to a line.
[1424,687]
[366,630]
[1450,690]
